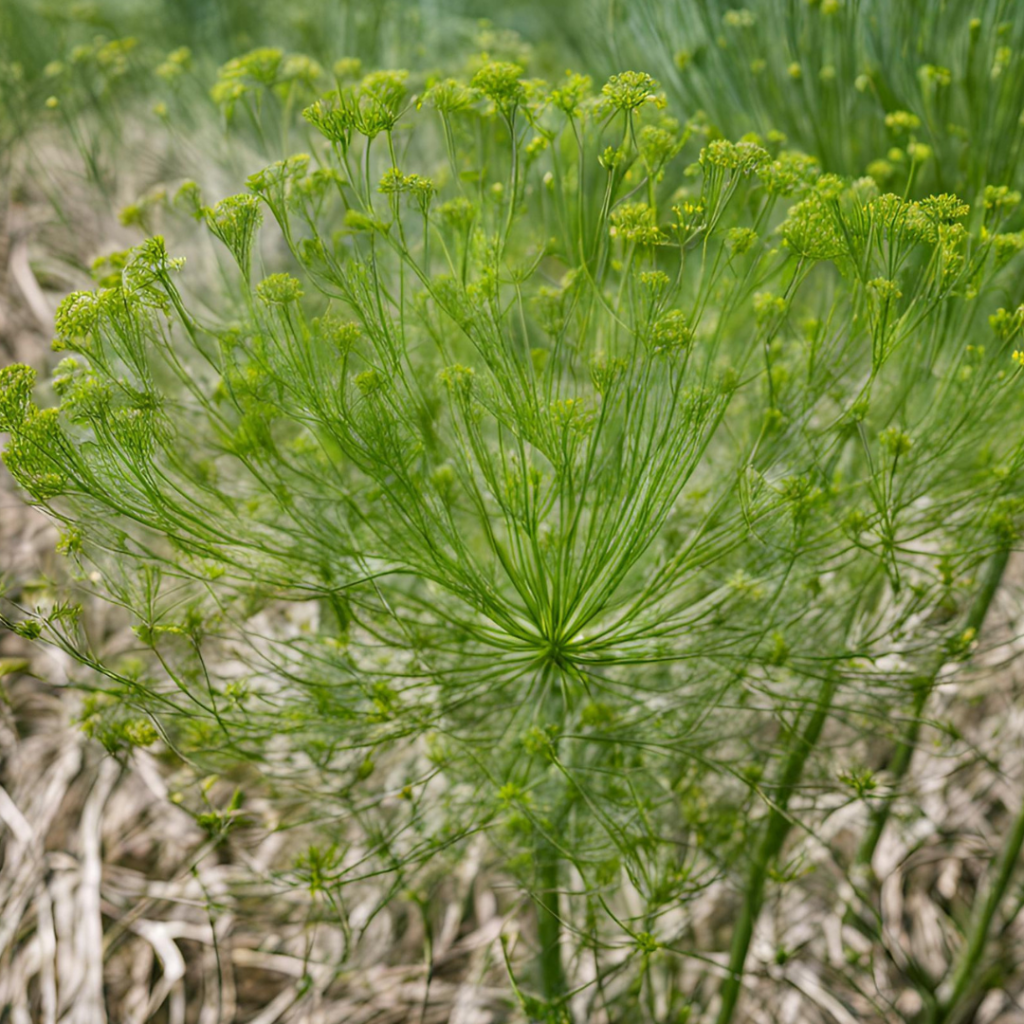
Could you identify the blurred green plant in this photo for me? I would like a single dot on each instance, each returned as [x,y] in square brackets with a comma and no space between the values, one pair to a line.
[869,86]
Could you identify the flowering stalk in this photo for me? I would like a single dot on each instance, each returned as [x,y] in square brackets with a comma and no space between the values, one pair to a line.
[773,836]
[964,975]
[922,687]
[829,75]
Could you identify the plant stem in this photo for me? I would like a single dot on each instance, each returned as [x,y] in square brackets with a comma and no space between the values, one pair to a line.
[547,861]
[549,924]
[923,686]
[977,939]
[772,838]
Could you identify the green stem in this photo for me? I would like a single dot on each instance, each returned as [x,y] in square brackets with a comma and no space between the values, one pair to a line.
[549,924]
[923,686]
[550,972]
[772,839]
[964,972]
[514,182]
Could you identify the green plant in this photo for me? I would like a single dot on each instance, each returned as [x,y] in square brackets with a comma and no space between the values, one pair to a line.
[868,86]
[561,478]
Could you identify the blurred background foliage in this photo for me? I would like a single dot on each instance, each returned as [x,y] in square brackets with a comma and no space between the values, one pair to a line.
[824,72]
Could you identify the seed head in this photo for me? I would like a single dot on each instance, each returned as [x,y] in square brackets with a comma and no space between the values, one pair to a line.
[895,441]
[16,383]
[810,230]
[458,214]
[671,333]
[1001,198]
[77,315]
[385,89]
[944,209]
[279,290]
[654,281]
[571,415]
[741,157]
[741,240]
[657,146]
[635,222]
[630,90]
[457,379]
[919,152]
[570,95]
[605,372]
[235,221]
[933,75]
[1006,246]
[791,173]
[35,454]
[886,289]
[1007,324]
[500,82]
[900,121]
[175,64]
[332,118]
[259,66]
[449,96]
[347,67]
[300,68]
[768,306]
[739,18]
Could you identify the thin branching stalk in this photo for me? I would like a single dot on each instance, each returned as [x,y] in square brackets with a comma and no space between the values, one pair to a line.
[772,839]
[922,686]
[964,976]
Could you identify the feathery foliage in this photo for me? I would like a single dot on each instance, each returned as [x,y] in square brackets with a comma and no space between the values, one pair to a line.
[555,472]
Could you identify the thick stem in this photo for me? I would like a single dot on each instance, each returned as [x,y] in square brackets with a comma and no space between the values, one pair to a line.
[977,937]
[923,686]
[551,978]
[772,839]
[549,924]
